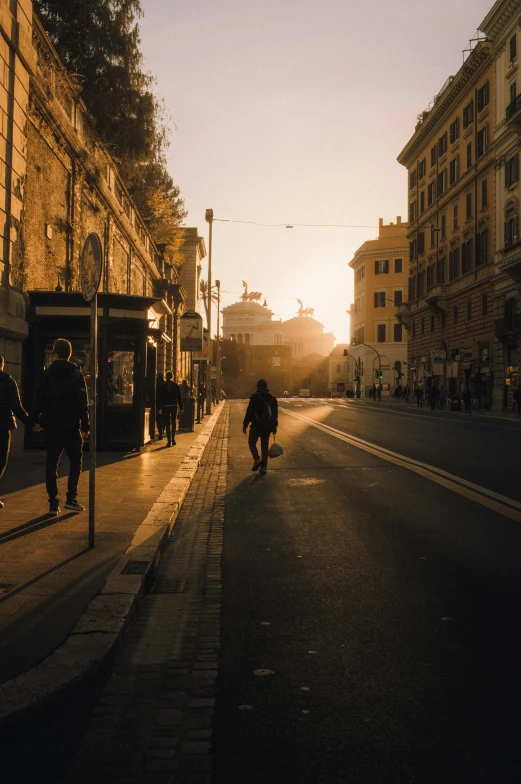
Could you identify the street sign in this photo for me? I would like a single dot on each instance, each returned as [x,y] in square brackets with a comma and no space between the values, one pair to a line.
[191,331]
[91,265]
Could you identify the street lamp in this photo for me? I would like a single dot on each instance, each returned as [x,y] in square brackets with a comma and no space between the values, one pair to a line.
[209,218]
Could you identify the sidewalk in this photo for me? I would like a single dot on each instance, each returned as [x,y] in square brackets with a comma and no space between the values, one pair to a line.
[48,575]
[394,404]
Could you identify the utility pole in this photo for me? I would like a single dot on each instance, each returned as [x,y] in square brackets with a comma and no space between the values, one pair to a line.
[218,358]
[209,217]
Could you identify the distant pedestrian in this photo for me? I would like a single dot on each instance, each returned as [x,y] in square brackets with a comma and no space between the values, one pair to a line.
[185,388]
[10,406]
[407,393]
[419,396]
[160,380]
[517,400]
[214,394]
[433,396]
[61,409]
[379,391]
[262,415]
[373,390]
[466,396]
[169,401]
[442,398]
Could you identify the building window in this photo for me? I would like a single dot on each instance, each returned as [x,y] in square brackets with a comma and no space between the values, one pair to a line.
[442,145]
[455,314]
[431,275]
[433,235]
[468,206]
[422,167]
[512,170]
[421,242]
[443,226]
[379,299]
[442,182]
[422,202]
[511,230]
[412,250]
[454,170]
[422,326]
[455,216]
[381,267]
[431,193]
[482,97]
[398,265]
[440,271]
[513,47]
[339,369]
[453,264]
[468,114]
[380,333]
[360,273]
[454,130]
[484,304]
[397,336]
[412,179]
[421,283]
[469,155]
[434,156]
[513,91]
[466,256]
[412,212]
[481,147]
[484,194]
[510,311]
[482,248]
[398,297]
[469,310]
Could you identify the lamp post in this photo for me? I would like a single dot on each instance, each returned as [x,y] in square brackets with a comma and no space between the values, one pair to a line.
[218,358]
[209,218]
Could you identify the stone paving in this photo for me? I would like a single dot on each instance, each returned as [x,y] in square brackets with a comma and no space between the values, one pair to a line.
[153,722]
[47,573]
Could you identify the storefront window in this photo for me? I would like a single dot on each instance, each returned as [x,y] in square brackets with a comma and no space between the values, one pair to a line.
[120,378]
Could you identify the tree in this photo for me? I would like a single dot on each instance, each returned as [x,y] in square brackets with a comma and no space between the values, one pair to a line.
[99,40]
[203,288]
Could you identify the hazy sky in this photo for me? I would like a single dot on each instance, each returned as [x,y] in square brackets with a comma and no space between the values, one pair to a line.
[293,111]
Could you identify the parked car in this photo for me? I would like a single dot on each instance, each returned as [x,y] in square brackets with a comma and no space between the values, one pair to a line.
[304,393]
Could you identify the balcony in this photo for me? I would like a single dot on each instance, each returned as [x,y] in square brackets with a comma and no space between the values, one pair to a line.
[437,299]
[403,314]
[507,327]
[514,112]
[510,261]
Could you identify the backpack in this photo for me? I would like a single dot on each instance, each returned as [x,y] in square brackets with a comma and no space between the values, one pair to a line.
[265,420]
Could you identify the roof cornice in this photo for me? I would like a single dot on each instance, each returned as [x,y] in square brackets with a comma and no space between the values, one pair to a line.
[467,72]
[499,18]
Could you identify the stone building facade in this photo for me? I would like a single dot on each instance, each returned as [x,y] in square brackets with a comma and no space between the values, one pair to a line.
[502,27]
[451,183]
[378,339]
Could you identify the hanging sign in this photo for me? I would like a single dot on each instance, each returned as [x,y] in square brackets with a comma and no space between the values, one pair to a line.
[191,331]
[91,265]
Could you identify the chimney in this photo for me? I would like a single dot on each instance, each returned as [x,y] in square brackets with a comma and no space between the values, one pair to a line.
[399,220]
[380,222]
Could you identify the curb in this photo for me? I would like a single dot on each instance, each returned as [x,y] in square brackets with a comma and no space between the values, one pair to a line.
[477,414]
[96,634]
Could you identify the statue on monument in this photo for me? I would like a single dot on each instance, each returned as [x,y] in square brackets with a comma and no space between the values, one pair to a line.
[252,296]
[302,311]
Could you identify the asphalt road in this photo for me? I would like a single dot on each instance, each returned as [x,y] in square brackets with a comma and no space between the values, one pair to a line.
[382,602]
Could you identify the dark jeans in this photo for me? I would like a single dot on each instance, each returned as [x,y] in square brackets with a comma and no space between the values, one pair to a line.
[159,423]
[253,437]
[59,439]
[5,444]
[170,421]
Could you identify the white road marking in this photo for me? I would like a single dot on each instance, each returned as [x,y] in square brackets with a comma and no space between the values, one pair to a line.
[481,495]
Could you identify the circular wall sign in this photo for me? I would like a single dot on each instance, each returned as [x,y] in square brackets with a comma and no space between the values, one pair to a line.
[91,265]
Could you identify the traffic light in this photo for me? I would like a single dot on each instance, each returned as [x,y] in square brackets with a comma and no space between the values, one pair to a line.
[377,374]
[346,352]
[357,380]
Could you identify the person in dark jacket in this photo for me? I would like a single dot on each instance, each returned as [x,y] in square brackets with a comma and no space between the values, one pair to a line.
[170,398]
[61,409]
[255,412]
[160,380]
[10,406]
[466,396]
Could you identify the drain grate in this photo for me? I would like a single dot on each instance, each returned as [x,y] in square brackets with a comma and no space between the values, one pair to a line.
[136,567]
[166,585]
[5,588]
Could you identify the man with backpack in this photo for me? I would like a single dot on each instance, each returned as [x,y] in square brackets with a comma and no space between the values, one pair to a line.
[262,415]
[170,398]
[61,409]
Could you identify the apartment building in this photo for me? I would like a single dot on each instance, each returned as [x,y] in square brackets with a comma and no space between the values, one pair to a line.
[502,27]
[378,338]
[449,313]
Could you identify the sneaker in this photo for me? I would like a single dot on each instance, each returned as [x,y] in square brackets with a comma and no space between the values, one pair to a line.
[168,443]
[54,508]
[1,504]
[263,469]
[173,442]
[75,506]
[256,464]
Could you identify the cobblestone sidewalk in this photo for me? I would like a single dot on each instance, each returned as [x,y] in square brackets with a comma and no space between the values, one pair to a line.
[153,722]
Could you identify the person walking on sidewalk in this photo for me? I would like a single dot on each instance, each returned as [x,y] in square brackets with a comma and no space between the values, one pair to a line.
[262,415]
[170,398]
[419,396]
[160,380]
[10,406]
[467,400]
[61,409]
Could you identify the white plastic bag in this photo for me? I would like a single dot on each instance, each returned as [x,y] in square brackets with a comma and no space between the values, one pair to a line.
[275,450]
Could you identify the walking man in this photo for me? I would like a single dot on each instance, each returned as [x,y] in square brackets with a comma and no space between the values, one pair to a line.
[10,406]
[262,415]
[160,380]
[467,400]
[419,396]
[170,398]
[61,409]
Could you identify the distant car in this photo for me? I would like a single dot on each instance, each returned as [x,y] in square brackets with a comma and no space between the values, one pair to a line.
[285,393]
[304,393]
